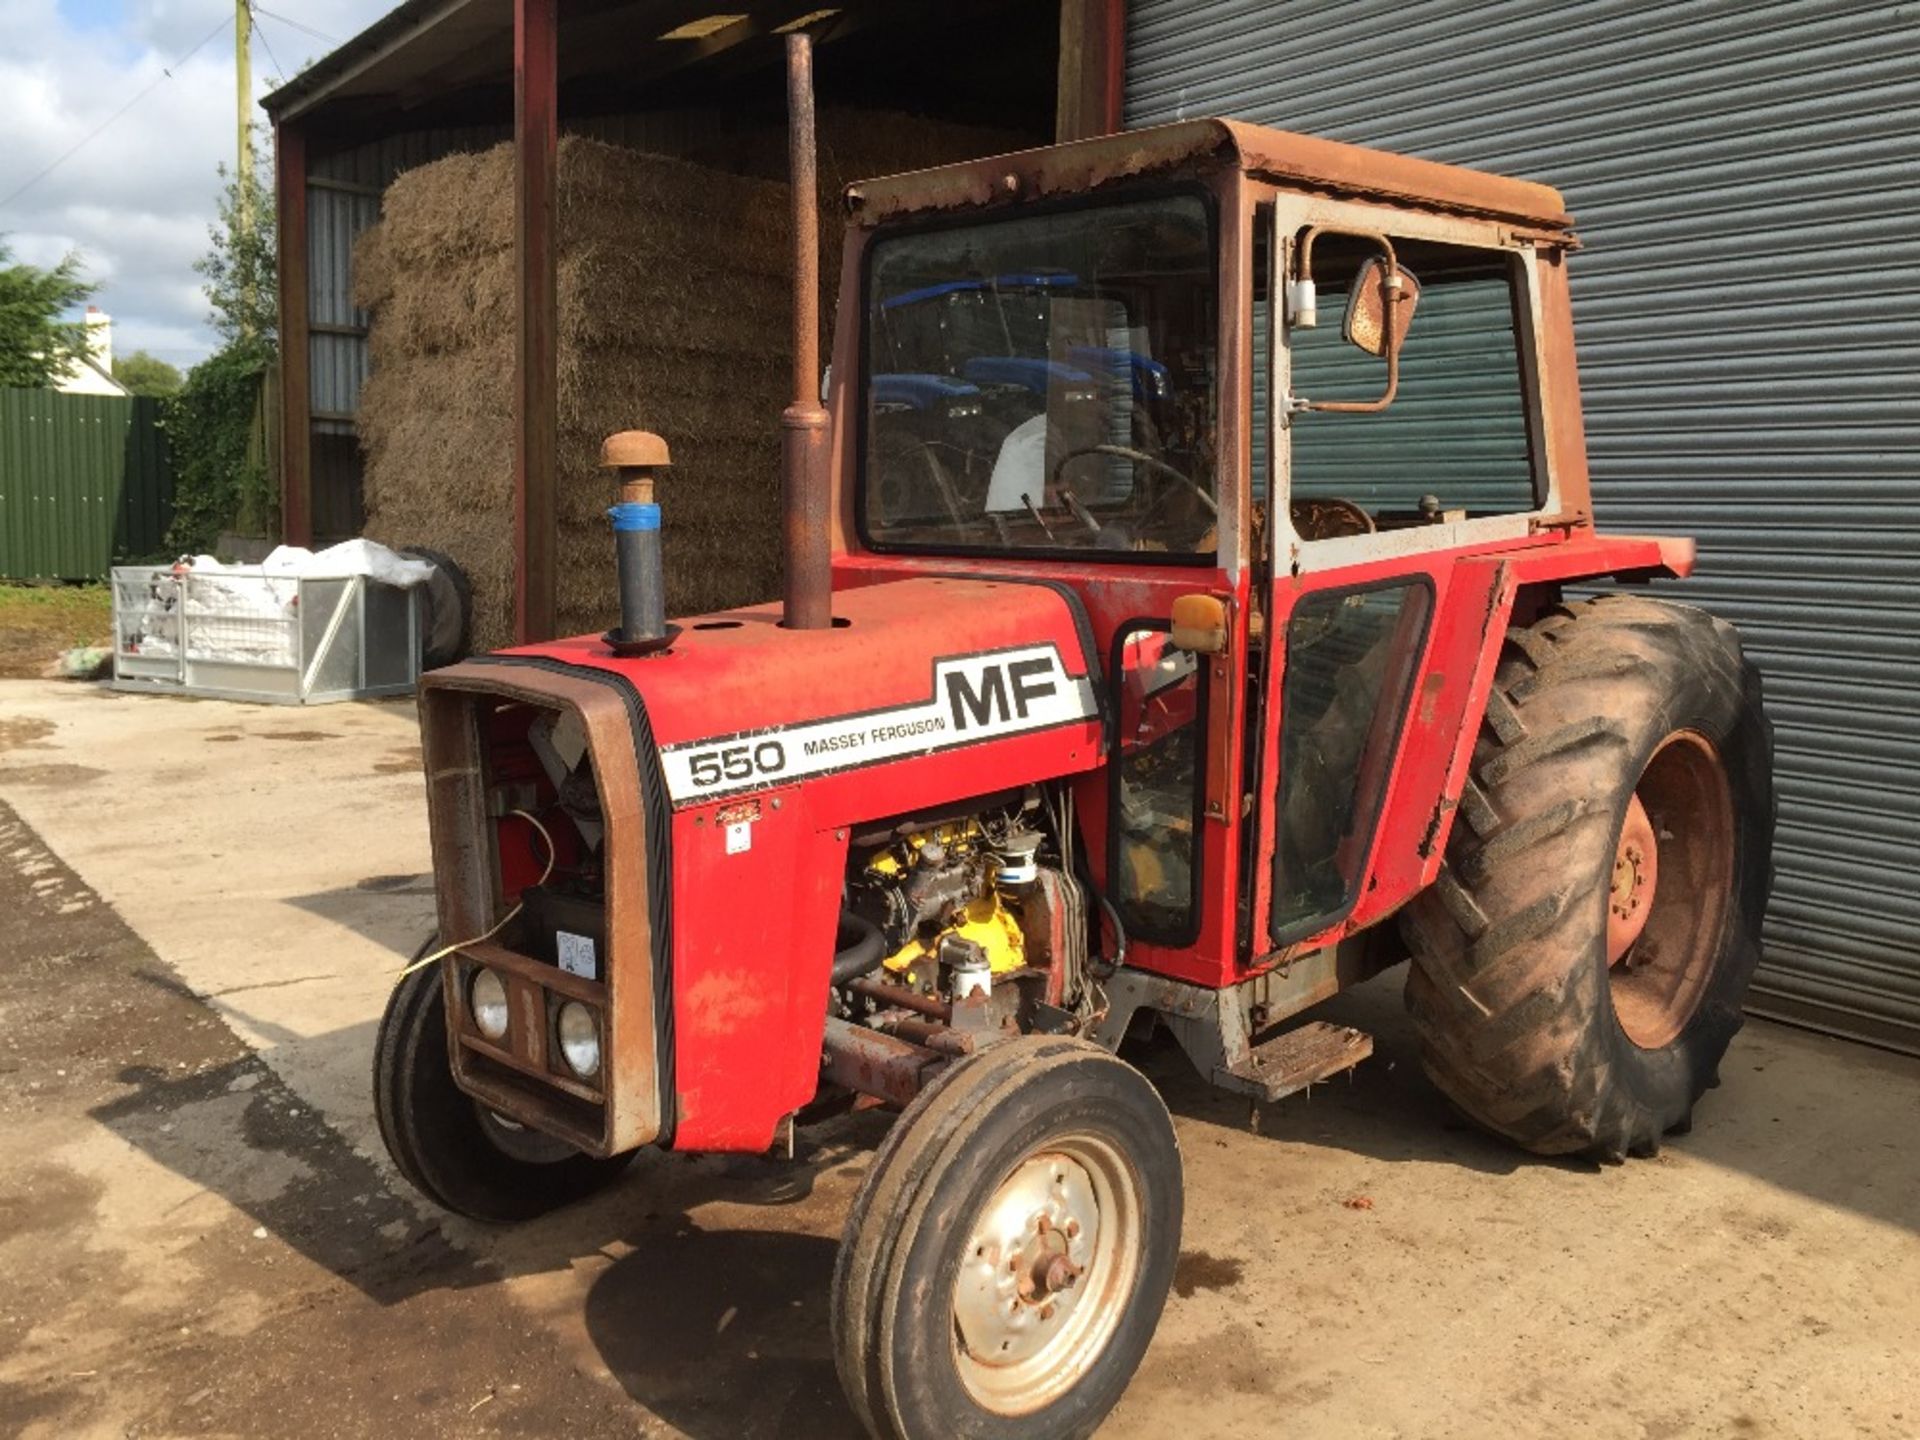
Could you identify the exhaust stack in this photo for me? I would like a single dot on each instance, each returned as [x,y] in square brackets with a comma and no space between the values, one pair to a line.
[808,603]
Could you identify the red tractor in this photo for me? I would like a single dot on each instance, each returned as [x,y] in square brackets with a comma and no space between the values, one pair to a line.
[1176,634]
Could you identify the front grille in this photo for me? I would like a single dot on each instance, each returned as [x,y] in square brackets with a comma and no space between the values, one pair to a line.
[587,936]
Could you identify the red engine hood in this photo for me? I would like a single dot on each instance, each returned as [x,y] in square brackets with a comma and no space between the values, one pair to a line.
[912,676]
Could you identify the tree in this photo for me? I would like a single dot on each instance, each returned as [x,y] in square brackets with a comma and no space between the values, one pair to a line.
[36,344]
[240,269]
[146,374]
[223,473]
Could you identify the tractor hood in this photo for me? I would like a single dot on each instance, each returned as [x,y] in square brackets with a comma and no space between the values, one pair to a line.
[884,712]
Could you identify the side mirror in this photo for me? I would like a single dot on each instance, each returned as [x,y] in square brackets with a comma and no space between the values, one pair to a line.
[1380,298]
[1379,309]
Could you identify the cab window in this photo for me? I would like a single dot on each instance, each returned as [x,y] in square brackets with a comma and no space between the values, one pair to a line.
[1044,383]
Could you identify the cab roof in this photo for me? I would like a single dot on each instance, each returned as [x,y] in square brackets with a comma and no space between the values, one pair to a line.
[1280,157]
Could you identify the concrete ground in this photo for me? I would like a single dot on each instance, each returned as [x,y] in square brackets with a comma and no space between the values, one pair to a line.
[202,906]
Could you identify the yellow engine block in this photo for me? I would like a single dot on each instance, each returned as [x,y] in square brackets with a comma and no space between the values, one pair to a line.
[985,921]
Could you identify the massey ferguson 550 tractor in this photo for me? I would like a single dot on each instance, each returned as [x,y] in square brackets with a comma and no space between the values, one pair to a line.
[1176,633]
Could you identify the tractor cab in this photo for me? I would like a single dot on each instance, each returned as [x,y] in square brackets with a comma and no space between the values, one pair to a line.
[1275,411]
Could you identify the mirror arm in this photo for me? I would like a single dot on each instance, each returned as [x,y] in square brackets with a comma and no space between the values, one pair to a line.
[1367,407]
[1392,281]
[1314,232]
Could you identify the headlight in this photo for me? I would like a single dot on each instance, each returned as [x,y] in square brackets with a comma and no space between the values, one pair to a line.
[487,1003]
[579,1031]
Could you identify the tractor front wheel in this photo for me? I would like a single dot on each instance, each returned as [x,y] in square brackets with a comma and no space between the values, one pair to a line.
[1580,964]
[1011,1248]
[455,1151]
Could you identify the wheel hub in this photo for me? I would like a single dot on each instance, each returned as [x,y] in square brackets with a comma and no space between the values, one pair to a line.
[1021,1278]
[1662,947]
[1636,869]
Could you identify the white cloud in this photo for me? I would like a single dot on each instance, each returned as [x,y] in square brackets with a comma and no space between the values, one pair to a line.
[136,200]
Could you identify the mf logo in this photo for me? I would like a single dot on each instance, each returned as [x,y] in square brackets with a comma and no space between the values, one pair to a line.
[999,692]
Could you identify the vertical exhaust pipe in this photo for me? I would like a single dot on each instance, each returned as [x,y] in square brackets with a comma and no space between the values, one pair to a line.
[808,603]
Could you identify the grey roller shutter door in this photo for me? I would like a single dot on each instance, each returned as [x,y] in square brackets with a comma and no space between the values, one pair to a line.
[1747,182]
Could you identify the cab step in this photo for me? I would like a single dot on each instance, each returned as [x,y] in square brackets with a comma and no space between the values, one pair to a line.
[1295,1059]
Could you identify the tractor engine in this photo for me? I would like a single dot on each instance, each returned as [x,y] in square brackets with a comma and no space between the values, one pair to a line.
[977,907]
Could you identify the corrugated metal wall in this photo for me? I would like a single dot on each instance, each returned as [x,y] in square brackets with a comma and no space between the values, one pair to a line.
[1743,177]
[84,482]
[343,199]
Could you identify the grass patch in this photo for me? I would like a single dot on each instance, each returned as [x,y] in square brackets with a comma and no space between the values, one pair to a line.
[37,622]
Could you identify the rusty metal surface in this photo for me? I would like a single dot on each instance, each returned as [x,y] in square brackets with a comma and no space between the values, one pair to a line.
[1562,421]
[1277,156]
[870,1063]
[296,400]
[1634,882]
[804,437]
[901,998]
[1289,1063]
[1092,70]
[536,355]
[627,449]
[465,878]
[1237,380]
[933,1035]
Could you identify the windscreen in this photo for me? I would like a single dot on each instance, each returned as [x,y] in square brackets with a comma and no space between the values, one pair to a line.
[1044,383]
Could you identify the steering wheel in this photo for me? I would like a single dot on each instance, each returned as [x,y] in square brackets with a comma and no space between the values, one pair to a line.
[1318,517]
[1139,457]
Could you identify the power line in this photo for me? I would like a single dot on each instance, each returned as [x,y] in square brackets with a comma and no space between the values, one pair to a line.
[266,44]
[295,24]
[166,73]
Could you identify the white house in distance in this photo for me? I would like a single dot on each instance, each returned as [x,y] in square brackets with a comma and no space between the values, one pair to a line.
[93,374]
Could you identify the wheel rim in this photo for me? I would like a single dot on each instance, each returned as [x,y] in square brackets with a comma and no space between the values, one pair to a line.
[1049,1267]
[1671,884]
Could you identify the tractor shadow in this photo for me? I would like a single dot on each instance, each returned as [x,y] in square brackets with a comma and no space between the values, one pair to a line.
[1821,1117]
[724,1334]
[1384,1109]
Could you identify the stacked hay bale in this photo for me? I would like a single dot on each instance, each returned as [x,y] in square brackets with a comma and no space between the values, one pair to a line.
[673,317]
[674,285]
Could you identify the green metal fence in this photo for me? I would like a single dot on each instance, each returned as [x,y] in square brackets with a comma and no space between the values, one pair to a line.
[84,481]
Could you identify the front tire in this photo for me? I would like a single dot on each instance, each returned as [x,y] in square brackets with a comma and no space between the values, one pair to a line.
[1580,963]
[459,1155]
[1010,1250]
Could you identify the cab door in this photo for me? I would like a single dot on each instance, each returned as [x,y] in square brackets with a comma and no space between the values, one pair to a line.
[1405,464]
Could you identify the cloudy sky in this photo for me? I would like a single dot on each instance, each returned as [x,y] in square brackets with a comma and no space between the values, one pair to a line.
[137,198]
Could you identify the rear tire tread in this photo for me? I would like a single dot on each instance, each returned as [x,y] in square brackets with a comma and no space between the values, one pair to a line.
[1511,1004]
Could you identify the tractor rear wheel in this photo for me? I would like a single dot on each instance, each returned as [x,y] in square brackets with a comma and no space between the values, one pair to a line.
[1580,963]
[1010,1250]
[455,1151]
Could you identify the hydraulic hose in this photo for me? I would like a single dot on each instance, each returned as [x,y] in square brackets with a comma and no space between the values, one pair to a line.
[862,947]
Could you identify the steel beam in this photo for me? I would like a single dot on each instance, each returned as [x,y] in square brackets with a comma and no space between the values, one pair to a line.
[870,1063]
[536,140]
[296,397]
[1093,58]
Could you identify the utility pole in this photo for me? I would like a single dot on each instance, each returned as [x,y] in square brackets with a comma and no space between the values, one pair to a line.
[243,96]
